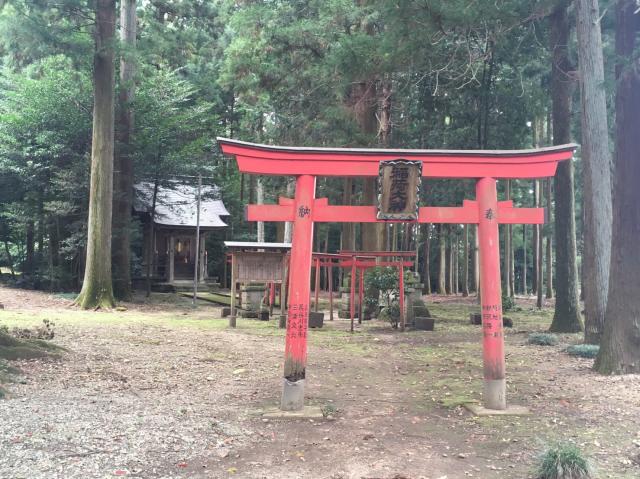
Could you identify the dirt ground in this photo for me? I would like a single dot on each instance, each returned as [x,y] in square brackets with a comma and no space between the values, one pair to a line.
[165,391]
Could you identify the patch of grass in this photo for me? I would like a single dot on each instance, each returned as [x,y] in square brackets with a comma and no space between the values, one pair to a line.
[542,339]
[563,461]
[454,401]
[328,410]
[588,351]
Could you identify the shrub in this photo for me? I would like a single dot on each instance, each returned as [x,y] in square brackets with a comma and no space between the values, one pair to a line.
[391,313]
[563,461]
[543,339]
[508,303]
[589,351]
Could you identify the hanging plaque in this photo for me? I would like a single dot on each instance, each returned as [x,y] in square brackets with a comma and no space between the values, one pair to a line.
[399,190]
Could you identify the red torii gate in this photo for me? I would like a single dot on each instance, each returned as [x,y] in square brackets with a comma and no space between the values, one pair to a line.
[360,262]
[486,211]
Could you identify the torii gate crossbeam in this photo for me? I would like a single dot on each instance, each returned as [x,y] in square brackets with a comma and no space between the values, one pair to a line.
[305,209]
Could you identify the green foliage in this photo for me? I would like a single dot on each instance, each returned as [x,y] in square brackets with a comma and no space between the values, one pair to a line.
[542,339]
[563,461]
[589,351]
[391,313]
[508,303]
[381,282]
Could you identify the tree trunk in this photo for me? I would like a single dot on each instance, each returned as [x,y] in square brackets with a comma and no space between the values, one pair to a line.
[465,265]
[364,103]
[506,278]
[426,273]
[9,259]
[456,264]
[476,261]
[150,241]
[620,345]
[567,317]
[524,260]
[123,160]
[97,291]
[29,264]
[288,226]
[537,231]
[442,261]
[596,170]
[449,253]
[260,201]
[549,252]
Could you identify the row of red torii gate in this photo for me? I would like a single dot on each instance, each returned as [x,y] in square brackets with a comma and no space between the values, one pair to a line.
[307,163]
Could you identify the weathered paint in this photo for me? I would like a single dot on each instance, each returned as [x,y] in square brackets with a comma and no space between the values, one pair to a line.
[486,211]
[491,298]
[299,280]
[281,160]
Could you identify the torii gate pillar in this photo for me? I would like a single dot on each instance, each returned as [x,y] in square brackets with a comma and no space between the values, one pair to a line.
[295,355]
[491,297]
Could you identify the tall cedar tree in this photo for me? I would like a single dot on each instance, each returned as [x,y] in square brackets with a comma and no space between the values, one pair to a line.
[97,291]
[123,161]
[597,175]
[567,317]
[620,346]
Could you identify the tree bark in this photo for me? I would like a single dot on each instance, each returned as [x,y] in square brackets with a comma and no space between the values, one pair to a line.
[123,160]
[596,170]
[29,264]
[150,241]
[288,226]
[476,262]
[536,238]
[524,260]
[465,265]
[506,279]
[426,273]
[567,317]
[260,201]
[620,345]
[442,261]
[549,243]
[449,253]
[97,291]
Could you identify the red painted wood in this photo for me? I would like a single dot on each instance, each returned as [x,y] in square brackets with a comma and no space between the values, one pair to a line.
[466,214]
[299,280]
[490,292]
[278,160]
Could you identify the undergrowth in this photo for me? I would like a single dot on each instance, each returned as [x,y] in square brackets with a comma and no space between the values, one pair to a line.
[543,339]
[563,461]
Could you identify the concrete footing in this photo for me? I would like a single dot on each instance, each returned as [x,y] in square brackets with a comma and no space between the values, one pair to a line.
[307,412]
[478,410]
[292,395]
[495,393]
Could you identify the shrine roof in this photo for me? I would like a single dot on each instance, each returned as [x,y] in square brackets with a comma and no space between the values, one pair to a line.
[322,161]
[256,245]
[176,204]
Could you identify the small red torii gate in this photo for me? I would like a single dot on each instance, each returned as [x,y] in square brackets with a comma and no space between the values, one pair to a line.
[306,163]
[360,262]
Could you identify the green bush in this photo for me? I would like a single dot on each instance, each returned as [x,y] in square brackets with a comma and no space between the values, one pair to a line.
[589,351]
[391,313]
[508,303]
[563,461]
[543,339]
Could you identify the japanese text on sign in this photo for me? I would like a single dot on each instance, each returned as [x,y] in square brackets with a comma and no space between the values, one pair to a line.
[399,189]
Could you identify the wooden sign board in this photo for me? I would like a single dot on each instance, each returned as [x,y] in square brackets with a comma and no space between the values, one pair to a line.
[399,190]
[259,267]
